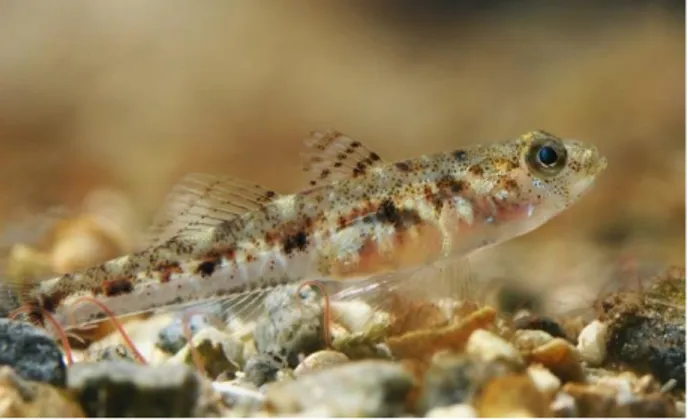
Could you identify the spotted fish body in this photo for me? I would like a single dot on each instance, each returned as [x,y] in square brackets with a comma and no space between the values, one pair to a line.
[222,238]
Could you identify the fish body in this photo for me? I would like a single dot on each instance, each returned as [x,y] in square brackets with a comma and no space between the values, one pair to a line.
[359,218]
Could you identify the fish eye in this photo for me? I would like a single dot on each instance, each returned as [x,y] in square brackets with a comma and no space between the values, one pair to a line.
[547,158]
[547,155]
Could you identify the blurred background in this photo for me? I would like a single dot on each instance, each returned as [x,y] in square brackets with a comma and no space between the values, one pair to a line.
[118,100]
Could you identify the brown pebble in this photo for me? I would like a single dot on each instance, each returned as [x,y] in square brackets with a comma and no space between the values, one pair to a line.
[561,358]
[602,401]
[512,396]
[21,398]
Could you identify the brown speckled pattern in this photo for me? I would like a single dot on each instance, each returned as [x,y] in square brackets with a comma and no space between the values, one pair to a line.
[361,216]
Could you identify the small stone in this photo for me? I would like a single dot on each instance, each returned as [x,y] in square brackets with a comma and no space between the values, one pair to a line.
[564,406]
[292,325]
[561,358]
[647,328]
[124,389]
[261,369]
[592,343]
[31,352]
[113,352]
[219,352]
[21,398]
[457,379]
[544,380]
[617,400]
[356,389]
[453,411]
[242,399]
[512,396]
[354,315]
[171,338]
[141,330]
[539,323]
[489,347]
[423,344]
[528,340]
[319,360]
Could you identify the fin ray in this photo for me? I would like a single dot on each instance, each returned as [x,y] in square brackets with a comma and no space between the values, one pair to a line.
[201,201]
[332,156]
[450,281]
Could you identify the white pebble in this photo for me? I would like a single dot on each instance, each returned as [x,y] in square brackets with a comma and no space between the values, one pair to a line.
[453,411]
[544,380]
[357,316]
[564,405]
[592,343]
[488,347]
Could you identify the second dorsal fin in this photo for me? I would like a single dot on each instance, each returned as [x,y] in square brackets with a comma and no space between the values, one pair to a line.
[331,156]
[200,201]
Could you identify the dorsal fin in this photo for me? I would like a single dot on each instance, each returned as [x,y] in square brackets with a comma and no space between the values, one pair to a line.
[331,156]
[200,201]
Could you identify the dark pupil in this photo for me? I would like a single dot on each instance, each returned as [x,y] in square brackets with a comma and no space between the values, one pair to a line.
[547,156]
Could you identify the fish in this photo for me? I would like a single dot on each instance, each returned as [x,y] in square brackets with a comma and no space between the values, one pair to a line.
[360,217]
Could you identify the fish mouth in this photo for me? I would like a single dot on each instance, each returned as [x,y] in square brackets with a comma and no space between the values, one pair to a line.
[601,164]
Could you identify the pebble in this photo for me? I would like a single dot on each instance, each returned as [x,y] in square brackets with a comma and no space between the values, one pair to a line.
[171,338]
[561,358]
[112,352]
[292,325]
[453,411]
[21,398]
[354,315]
[528,340]
[142,332]
[489,347]
[592,343]
[368,388]
[544,380]
[31,352]
[219,352]
[124,389]
[261,369]
[616,400]
[242,399]
[456,379]
[539,323]
[564,405]
[647,329]
[512,396]
[319,360]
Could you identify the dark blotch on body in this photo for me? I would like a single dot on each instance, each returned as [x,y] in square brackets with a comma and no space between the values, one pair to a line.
[460,155]
[117,287]
[167,270]
[449,183]
[400,218]
[403,166]
[207,268]
[298,241]
[476,170]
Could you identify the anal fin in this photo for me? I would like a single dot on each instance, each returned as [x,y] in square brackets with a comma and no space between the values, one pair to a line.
[431,292]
